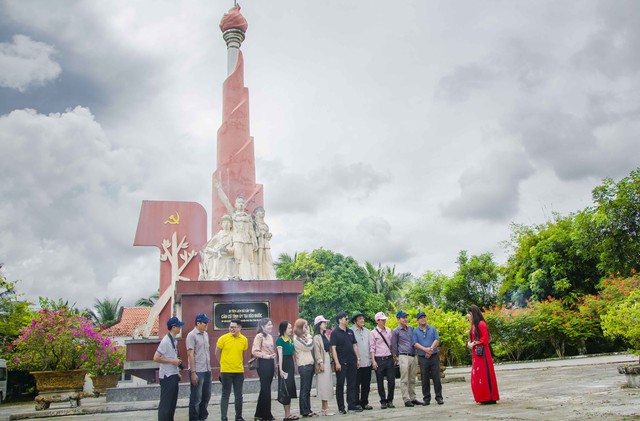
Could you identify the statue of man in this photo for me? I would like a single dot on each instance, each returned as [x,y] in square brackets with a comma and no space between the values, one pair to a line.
[218,262]
[244,236]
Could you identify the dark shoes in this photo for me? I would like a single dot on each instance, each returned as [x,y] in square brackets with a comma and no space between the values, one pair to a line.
[409,404]
[426,402]
[390,405]
[367,407]
[343,412]
[383,405]
[440,401]
[416,402]
[356,408]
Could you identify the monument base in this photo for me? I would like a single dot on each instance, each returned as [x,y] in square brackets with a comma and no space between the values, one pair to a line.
[222,301]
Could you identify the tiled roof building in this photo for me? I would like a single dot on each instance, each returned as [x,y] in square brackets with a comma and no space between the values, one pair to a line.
[130,319]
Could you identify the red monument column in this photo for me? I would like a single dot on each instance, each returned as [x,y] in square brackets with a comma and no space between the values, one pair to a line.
[236,166]
[179,230]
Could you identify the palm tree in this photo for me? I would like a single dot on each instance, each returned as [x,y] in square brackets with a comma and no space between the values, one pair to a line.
[285,259]
[148,302]
[106,312]
[387,282]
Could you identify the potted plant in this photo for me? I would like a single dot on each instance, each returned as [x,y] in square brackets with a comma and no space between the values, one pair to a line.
[623,320]
[105,363]
[53,347]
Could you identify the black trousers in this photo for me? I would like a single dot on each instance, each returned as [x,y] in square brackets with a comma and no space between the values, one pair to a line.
[363,385]
[265,372]
[168,397]
[430,370]
[386,369]
[348,372]
[228,380]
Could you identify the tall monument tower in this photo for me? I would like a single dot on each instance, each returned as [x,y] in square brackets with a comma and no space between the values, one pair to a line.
[236,168]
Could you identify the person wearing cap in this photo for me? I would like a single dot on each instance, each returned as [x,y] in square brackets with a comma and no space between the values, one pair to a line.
[322,357]
[230,350]
[169,361]
[402,346]
[344,349]
[383,361]
[199,369]
[426,341]
[363,382]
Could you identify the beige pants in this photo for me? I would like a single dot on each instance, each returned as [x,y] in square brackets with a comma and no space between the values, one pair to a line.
[408,373]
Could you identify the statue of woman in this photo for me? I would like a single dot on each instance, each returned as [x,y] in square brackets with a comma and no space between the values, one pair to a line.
[244,237]
[218,262]
[263,254]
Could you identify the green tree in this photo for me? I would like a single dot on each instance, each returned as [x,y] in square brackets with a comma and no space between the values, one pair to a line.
[427,290]
[512,332]
[106,311]
[476,281]
[387,282]
[610,230]
[547,261]
[333,283]
[301,266]
[623,320]
[14,313]
[562,324]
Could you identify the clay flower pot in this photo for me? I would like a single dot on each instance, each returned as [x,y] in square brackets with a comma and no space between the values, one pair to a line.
[58,386]
[103,382]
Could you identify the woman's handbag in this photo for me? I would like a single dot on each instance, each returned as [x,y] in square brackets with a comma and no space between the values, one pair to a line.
[253,363]
[283,392]
[479,351]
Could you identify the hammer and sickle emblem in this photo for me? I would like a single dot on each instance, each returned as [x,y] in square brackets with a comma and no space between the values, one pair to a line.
[173,219]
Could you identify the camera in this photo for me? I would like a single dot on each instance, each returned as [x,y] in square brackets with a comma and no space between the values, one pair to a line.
[181,366]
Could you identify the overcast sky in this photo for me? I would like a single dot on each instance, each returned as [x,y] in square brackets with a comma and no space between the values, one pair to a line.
[394,132]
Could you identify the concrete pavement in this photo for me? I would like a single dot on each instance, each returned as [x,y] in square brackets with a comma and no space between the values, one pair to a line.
[569,389]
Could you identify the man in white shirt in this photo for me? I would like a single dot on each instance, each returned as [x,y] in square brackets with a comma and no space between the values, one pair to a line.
[363,384]
[170,366]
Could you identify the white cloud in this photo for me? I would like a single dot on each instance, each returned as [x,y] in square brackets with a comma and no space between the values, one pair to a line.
[65,202]
[25,62]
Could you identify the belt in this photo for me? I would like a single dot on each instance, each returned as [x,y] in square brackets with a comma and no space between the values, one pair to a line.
[384,358]
[424,356]
[405,353]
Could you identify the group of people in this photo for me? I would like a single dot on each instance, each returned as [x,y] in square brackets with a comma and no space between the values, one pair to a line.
[352,353]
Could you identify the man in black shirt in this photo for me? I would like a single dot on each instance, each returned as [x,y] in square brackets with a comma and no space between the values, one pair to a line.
[344,349]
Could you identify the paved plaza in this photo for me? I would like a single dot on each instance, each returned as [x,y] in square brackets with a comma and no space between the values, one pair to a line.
[571,389]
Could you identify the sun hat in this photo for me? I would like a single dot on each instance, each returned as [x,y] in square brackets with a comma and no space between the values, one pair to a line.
[380,316]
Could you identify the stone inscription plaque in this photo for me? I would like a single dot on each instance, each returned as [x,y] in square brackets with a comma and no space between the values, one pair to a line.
[249,312]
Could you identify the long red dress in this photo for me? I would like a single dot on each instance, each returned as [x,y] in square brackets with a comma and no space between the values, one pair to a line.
[483,377]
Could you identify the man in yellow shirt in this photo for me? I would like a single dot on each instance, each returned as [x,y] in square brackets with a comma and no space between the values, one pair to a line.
[230,352]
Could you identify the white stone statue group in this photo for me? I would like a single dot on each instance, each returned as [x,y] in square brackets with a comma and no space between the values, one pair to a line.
[241,249]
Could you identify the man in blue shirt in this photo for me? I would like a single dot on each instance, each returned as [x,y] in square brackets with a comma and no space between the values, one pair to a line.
[426,341]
